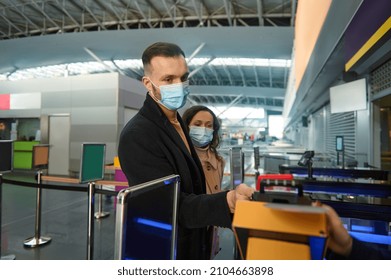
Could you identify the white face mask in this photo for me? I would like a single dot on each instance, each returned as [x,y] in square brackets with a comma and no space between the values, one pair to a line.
[173,96]
[200,135]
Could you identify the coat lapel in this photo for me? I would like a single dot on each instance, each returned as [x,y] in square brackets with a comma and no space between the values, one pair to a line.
[151,111]
[155,114]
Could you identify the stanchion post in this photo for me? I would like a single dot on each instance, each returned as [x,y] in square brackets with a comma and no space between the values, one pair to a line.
[90,227]
[101,214]
[37,239]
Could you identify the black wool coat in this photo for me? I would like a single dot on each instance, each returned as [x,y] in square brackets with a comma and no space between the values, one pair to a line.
[150,148]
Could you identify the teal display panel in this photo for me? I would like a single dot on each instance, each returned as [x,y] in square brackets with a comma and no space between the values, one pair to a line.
[92,162]
[6,155]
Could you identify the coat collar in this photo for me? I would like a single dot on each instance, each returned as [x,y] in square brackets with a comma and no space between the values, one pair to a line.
[153,112]
[206,154]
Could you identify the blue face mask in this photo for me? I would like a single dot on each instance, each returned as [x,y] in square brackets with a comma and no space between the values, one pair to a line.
[200,135]
[174,96]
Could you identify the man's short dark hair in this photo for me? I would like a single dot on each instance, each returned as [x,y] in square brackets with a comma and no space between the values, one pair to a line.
[160,49]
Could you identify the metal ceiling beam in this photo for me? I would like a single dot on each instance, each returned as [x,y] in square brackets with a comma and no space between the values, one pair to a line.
[191,99]
[41,10]
[270,21]
[168,11]
[23,15]
[223,15]
[242,75]
[147,20]
[293,12]
[256,75]
[127,9]
[285,77]
[204,77]
[118,68]
[196,51]
[241,120]
[65,12]
[198,11]
[228,74]
[13,25]
[279,6]
[227,5]
[213,70]
[94,17]
[99,60]
[200,67]
[111,9]
[139,74]
[260,12]
[233,102]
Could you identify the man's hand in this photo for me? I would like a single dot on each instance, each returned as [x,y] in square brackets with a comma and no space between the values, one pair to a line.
[241,192]
[339,240]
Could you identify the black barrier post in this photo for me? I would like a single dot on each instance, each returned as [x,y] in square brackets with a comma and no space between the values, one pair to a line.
[37,239]
[90,227]
[8,257]
[256,163]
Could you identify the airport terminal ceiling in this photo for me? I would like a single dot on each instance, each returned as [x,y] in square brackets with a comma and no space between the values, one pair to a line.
[59,32]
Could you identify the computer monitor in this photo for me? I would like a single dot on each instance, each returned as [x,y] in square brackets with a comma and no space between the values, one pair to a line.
[6,155]
[92,164]
[146,221]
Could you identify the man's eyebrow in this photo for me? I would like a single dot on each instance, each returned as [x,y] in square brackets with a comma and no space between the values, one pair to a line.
[168,77]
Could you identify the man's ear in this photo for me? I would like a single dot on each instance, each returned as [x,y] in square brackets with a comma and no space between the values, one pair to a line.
[147,83]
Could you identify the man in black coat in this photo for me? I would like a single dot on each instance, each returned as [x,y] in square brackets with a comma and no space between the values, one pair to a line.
[155,143]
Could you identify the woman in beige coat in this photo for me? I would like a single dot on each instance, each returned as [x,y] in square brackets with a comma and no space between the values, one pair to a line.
[204,128]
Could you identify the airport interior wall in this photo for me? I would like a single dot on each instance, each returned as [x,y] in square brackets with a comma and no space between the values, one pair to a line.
[95,106]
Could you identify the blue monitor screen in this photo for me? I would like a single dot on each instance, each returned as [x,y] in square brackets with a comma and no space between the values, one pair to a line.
[149,223]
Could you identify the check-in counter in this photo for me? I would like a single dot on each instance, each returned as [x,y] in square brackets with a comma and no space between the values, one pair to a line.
[23,154]
[363,204]
[355,172]
[272,161]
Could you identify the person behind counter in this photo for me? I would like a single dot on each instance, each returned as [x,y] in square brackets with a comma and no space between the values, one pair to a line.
[204,129]
[344,246]
[155,143]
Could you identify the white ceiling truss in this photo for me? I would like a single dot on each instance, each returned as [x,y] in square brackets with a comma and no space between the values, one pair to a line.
[29,18]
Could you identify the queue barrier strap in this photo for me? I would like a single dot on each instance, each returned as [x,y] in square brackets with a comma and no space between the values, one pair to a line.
[76,187]
[76,181]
